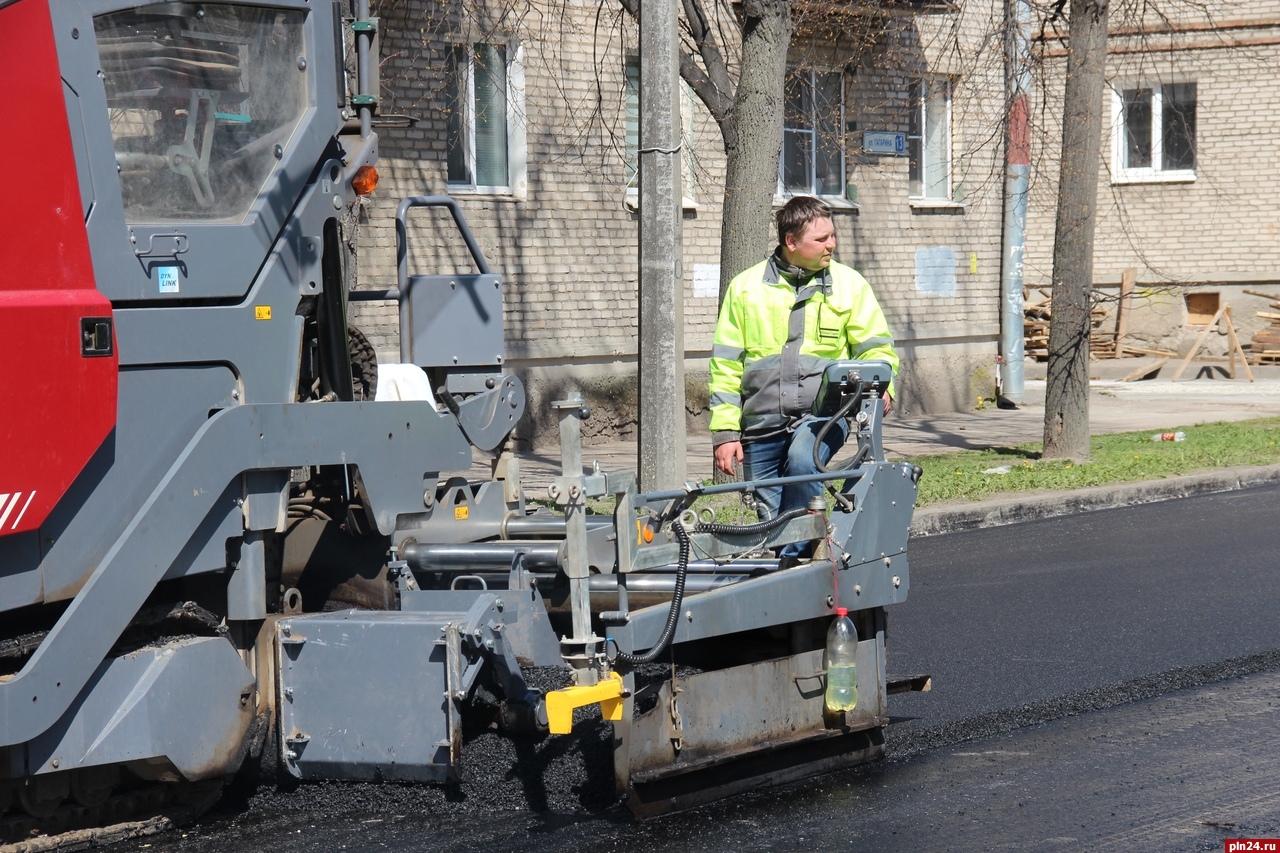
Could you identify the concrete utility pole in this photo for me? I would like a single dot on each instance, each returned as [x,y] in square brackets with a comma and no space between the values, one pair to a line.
[1016,179]
[661,352]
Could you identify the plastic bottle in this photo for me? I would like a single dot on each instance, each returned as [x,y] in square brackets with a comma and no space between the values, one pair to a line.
[1169,436]
[840,658]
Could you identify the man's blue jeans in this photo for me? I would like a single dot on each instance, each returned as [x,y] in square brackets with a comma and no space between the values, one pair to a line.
[790,455]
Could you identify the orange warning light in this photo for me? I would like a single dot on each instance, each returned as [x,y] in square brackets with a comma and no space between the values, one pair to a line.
[365,180]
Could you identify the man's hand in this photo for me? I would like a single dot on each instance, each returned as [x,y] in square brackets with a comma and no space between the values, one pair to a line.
[728,456]
[888,402]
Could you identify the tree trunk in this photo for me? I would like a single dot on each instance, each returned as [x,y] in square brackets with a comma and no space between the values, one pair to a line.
[1066,407]
[753,138]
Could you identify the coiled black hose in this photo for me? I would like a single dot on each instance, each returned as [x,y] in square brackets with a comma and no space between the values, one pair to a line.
[822,434]
[749,529]
[677,598]
[682,572]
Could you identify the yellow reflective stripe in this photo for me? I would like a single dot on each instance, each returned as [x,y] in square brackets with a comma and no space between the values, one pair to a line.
[727,352]
[725,398]
[751,300]
[872,343]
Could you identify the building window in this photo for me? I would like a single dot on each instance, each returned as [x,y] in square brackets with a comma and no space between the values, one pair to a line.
[929,139]
[812,134]
[1154,136]
[485,125]
[688,161]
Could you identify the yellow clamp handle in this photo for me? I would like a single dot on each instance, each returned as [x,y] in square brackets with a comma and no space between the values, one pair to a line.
[560,703]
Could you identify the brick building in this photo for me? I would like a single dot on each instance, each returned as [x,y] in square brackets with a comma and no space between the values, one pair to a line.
[527,116]
[1189,180]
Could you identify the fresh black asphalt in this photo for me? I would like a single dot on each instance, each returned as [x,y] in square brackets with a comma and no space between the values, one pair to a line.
[1008,615]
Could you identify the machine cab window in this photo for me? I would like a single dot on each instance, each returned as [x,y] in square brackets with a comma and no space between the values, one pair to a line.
[202,101]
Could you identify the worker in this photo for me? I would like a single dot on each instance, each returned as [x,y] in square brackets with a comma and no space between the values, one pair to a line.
[781,322]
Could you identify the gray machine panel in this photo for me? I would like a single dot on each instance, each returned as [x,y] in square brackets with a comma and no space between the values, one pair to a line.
[456,320]
[148,704]
[884,501]
[149,436]
[19,561]
[364,695]
[260,336]
[524,613]
[786,707]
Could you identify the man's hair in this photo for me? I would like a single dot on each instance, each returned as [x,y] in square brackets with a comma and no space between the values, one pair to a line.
[798,213]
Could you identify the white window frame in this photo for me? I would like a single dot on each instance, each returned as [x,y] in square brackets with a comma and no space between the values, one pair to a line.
[517,146]
[920,114]
[631,157]
[1155,173]
[782,193]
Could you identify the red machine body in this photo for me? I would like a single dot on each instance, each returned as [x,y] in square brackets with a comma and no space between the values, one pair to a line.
[61,402]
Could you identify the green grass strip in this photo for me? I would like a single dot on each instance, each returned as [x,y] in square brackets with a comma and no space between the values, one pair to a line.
[1127,457]
[1118,458]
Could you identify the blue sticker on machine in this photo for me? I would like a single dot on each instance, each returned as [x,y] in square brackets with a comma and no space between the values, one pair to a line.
[168,279]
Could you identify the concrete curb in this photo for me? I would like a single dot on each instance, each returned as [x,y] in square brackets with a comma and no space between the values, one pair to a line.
[932,521]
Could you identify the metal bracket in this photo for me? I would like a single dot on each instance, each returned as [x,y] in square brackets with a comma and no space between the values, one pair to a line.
[181,243]
[677,722]
[908,684]
[288,638]
[294,746]
[488,418]
[453,653]
[608,692]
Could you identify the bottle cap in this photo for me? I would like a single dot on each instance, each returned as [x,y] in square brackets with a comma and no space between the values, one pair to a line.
[842,611]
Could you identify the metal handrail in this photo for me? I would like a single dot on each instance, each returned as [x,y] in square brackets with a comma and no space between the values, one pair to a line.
[402,260]
[748,486]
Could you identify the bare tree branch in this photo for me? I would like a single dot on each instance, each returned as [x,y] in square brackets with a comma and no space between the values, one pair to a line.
[720,96]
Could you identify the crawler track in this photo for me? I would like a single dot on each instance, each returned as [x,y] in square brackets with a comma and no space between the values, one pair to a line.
[87,808]
[142,810]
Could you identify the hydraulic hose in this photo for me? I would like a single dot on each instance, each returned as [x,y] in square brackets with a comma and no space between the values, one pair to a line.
[853,400]
[331,317]
[749,529]
[682,573]
[677,598]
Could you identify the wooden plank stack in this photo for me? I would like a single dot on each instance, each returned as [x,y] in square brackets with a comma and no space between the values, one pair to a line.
[1035,329]
[1101,344]
[1265,346]
[1035,326]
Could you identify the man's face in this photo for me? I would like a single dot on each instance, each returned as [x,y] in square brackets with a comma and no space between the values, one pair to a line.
[811,249]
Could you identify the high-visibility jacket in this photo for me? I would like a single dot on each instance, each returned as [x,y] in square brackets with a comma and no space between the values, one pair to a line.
[773,341]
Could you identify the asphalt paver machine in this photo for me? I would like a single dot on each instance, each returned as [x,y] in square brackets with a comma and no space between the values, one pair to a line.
[217,547]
